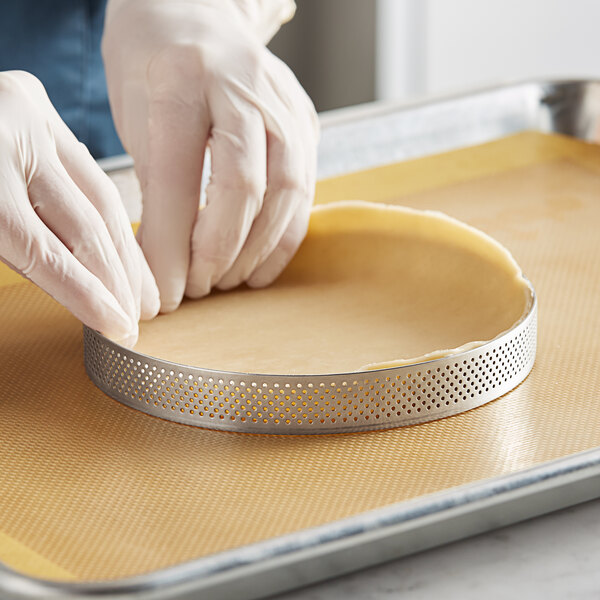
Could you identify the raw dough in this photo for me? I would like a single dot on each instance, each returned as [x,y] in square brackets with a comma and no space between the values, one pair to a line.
[372,286]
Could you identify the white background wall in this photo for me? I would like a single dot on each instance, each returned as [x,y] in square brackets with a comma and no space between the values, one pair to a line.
[430,47]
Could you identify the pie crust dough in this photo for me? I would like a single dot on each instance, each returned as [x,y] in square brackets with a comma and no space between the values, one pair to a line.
[372,286]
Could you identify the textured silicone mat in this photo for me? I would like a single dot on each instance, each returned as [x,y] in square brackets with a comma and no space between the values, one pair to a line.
[90,489]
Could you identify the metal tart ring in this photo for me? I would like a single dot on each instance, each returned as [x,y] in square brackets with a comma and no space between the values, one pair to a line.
[312,404]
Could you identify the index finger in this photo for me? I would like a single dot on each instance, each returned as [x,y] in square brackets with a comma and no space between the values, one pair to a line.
[170,180]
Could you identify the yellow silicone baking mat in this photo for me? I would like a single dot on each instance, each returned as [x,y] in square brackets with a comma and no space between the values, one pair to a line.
[90,489]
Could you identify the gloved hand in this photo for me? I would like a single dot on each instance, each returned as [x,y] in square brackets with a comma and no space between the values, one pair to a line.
[62,223]
[184,73]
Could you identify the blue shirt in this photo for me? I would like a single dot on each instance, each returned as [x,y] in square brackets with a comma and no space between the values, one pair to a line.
[59,42]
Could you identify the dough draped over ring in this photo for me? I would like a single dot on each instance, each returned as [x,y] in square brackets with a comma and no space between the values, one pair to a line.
[372,286]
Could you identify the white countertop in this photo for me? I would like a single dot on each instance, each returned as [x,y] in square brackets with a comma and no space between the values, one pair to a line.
[556,556]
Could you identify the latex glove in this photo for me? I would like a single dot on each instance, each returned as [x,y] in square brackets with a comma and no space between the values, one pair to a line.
[184,73]
[62,223]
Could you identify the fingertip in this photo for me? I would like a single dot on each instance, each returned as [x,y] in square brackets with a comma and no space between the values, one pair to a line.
[201,281]
[170,296]
[198,290]
[129,341]
[112,320]
[227,283]
[169,307]
[271,269]
[264,278]
[150,307]
[164,290]
[150,297]
[234,277]
[117,326]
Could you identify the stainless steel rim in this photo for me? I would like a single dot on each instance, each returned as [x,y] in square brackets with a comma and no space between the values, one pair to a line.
[313,404]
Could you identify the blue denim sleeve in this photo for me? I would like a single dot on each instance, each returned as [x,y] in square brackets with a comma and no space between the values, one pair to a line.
[59,42]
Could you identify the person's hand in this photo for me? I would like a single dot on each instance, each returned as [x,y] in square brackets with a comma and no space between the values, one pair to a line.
[186,73]
[62,223]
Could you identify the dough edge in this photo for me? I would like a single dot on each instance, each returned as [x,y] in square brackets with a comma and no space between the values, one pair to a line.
[360,209]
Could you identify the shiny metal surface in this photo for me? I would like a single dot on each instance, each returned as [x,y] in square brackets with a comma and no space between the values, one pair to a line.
[357,139]
[311,404]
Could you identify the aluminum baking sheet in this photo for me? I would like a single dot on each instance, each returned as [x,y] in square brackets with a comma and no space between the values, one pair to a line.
[352,140]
